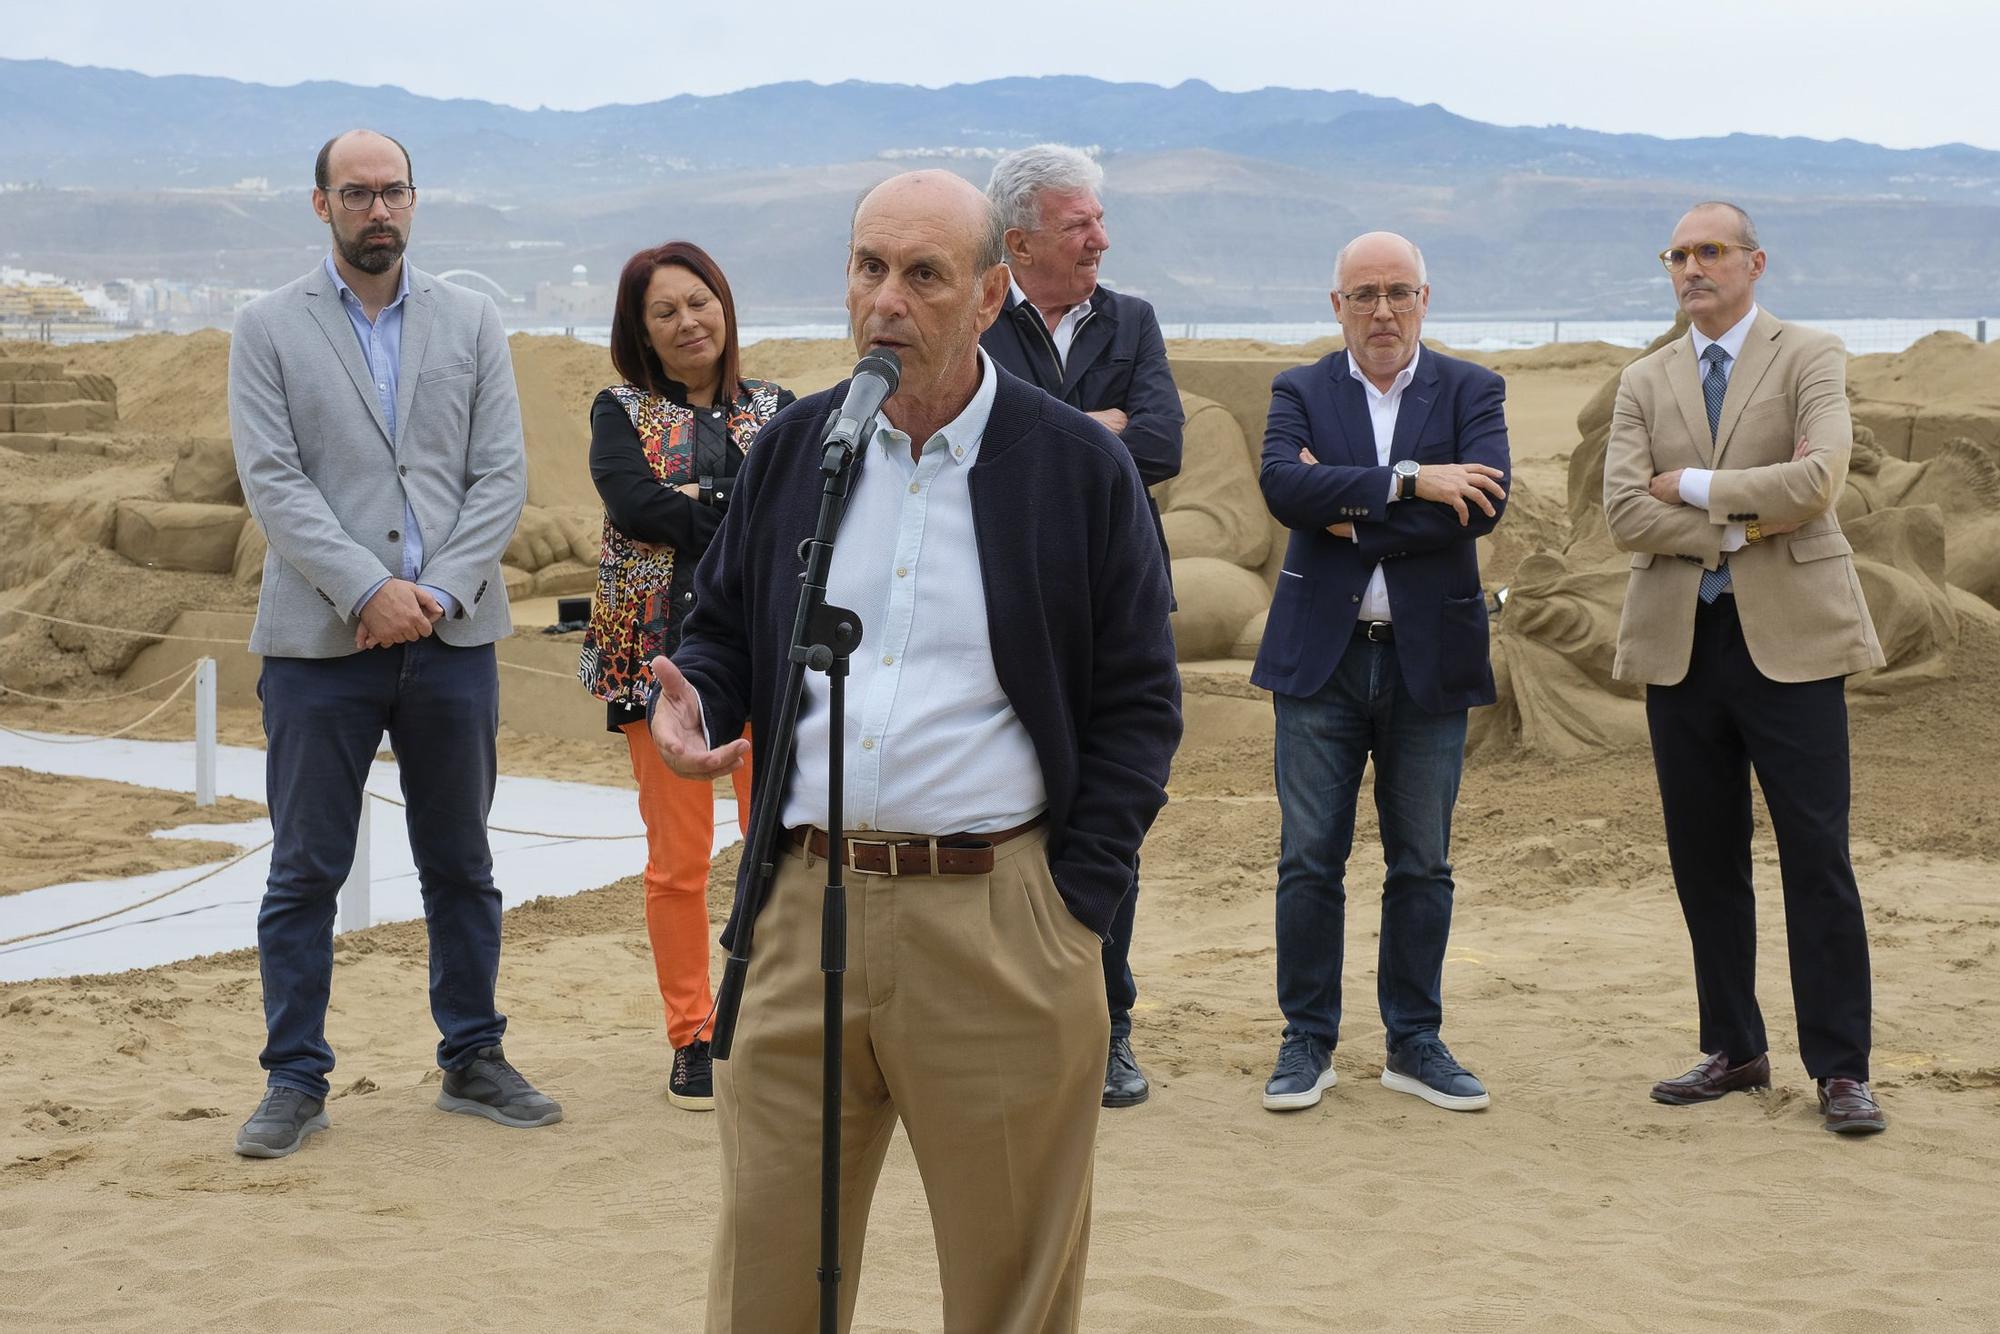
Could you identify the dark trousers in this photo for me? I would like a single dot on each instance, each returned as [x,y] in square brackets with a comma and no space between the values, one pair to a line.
[1323,744]
[1121,989]
[323,721]
[1723,720]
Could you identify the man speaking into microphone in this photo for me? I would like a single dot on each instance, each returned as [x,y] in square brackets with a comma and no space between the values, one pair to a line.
[1010,718]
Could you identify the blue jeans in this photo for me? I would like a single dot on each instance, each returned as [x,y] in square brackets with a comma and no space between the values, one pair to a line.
[1120,988]
[1323,744]
[323,722]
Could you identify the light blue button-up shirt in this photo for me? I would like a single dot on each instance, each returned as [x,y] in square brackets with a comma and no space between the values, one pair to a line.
[382,348]
[932,744]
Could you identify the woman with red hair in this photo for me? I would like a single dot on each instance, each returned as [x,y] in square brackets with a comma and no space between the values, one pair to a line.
[665,446]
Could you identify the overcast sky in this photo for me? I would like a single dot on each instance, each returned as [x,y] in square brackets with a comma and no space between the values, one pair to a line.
[1905,74]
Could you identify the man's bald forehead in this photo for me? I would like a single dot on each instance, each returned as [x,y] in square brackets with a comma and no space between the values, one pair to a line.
[1378,248]
[937,194]
[323,166]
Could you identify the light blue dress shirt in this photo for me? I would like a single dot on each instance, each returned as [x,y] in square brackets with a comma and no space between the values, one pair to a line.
[382,348]
[932,744]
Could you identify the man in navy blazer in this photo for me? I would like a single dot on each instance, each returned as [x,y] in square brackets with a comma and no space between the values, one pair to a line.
[1101,352]
[1387,461]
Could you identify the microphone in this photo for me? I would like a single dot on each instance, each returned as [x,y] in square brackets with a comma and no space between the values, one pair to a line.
[875,379]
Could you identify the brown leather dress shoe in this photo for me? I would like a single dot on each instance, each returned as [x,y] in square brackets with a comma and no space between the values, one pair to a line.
[1850,1108]
[1714,1077]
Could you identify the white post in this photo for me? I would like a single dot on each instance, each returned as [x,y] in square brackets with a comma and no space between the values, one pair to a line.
[354,913]
[204,732]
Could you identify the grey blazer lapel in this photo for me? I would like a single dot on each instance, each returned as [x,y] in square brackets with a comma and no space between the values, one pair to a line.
[333,322]
[1684,374]
[418,309]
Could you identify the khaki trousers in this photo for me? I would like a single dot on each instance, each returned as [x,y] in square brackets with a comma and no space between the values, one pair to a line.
[974,1012]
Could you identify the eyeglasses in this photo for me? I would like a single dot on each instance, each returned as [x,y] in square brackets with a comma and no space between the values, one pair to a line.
[1708,252]
[359,198]
[1402,300]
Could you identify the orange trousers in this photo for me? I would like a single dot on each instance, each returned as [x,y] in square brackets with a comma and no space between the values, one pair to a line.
[680,830]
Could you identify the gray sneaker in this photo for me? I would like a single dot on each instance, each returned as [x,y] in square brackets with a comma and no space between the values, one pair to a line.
[281,1123]
[1304,1071]
[491,1088]
[1424,1066]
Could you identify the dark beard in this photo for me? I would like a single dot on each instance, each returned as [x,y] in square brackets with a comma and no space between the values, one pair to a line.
[367,258]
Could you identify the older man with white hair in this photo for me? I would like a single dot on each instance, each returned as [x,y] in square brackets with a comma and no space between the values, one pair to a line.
[1101,352]
[1387,461]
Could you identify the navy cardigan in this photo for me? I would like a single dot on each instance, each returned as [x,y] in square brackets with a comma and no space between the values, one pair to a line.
[1076,604]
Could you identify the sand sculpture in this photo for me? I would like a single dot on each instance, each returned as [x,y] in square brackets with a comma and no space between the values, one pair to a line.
[1921,509]
[1926,538]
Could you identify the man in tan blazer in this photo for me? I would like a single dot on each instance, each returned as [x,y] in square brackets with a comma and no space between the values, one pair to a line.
[1742,618]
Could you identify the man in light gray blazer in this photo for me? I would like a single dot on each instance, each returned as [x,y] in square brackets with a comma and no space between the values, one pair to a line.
[378,437]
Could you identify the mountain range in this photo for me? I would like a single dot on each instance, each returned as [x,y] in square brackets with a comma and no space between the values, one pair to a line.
[1222,206]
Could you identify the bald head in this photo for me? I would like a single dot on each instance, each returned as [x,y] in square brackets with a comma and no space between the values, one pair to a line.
[325,166]
[1372,250]
[941,199]
[1380,296]
[924,280]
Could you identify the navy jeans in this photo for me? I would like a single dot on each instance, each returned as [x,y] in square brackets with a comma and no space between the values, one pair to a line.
[323,722]
[1120,988]
[1323,744]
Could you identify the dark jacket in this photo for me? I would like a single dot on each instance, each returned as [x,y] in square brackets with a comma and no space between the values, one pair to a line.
[1452,412]
[1076,604]
[1117,360]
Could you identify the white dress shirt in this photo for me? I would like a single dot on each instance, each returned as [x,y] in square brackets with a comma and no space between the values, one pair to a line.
[1065,331]
[932,744]
[1694,481]
[1383,405]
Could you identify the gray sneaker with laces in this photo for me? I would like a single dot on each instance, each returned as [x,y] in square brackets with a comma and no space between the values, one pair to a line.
[1425,1068]
[488,1086]
[281,1123]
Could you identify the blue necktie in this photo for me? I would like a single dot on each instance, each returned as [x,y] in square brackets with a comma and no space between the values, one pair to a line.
[1714,384]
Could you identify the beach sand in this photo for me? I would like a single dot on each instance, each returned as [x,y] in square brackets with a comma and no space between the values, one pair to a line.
[1573,1204]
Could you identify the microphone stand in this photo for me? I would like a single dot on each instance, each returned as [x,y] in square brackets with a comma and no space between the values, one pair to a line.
[823,637]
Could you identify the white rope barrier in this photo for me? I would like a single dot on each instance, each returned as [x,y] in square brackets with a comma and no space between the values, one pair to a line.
[195,639]
[187,679]
[142,903]
[6,690]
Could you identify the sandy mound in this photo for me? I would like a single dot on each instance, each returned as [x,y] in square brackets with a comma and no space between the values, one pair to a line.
[56,830]
[1942,387]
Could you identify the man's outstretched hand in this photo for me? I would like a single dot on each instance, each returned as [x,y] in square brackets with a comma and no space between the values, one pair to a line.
[678,731]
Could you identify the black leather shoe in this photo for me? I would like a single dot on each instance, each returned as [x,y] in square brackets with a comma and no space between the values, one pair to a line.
[1124,1082]
[1849,1108]
[1714,1077]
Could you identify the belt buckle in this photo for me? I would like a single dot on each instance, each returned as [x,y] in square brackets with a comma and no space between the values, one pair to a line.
[886,844]
[1371,629]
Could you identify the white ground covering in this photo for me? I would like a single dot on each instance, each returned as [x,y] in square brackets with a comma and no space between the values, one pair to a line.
[221,912]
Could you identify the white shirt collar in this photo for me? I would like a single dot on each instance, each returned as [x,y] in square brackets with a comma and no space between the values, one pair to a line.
[1401,382]
[1732,341]
[962,433]
[1075,312]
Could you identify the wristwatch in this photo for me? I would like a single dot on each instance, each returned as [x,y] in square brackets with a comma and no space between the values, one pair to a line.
[1752,533]
[1406,479]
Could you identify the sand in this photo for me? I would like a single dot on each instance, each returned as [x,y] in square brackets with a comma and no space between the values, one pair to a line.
[1573,1204]
[59,830]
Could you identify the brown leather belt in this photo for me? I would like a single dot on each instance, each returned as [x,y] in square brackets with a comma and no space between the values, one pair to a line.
[946,854]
